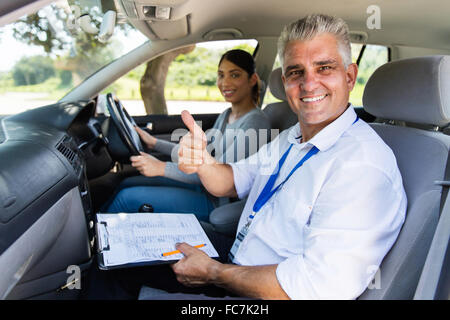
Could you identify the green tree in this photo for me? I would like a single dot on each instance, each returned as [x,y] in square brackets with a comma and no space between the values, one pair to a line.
[199,67]
[86,53]
[246,47]
[32,70]
[78,52]
[153,81]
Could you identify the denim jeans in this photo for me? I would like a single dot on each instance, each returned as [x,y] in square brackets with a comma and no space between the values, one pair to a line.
[165,195]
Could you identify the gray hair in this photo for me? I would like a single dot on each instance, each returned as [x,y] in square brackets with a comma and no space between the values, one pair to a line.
[314,25]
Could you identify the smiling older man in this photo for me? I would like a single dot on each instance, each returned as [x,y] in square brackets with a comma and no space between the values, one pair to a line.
[325,198]
[333,203]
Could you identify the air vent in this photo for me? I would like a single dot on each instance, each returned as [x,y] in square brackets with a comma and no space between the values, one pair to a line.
[64,147]
[66,152]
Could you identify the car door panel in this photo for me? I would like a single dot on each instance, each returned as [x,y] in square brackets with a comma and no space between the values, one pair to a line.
[44,201]
[166,124]
[170,127]
[59,232]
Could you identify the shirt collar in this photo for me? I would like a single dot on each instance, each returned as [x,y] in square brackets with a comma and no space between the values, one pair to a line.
[328,136]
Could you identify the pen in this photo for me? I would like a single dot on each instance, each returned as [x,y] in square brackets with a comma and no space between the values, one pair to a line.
[178,251]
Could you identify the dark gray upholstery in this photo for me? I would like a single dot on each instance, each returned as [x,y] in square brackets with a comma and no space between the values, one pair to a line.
[276,85]
[421,156]
[412,90]
[225,218]
[280,113]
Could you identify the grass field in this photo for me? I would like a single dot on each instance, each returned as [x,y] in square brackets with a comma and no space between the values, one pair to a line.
[128,89]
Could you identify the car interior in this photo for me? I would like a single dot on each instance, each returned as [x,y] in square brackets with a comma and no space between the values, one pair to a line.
[60,163]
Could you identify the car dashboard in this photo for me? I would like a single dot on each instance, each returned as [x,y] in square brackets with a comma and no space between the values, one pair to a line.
[47,156]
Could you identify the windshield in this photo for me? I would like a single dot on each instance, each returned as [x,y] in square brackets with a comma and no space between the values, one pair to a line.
[46,54]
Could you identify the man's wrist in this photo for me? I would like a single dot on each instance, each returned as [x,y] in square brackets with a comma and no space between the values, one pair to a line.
[216,272]
[207,161]
[201,169]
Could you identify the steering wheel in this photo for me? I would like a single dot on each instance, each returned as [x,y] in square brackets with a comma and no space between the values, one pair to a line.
[124,124]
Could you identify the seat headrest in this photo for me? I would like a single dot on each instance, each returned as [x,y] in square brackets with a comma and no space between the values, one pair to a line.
[276,84]
[412,90]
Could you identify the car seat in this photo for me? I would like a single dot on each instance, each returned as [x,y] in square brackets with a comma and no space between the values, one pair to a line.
[411,101]
[280,113]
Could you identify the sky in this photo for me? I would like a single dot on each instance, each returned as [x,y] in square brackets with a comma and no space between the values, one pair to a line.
[13,50]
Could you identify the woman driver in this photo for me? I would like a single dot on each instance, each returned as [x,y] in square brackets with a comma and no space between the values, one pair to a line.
[162,184]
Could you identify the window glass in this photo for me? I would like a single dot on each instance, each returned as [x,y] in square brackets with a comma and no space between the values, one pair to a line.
[46,54]
[269,97]
[373,57]
[190,82]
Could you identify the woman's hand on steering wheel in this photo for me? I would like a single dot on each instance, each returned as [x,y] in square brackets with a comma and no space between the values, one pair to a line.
[148,165]
[124,124]
[146,137]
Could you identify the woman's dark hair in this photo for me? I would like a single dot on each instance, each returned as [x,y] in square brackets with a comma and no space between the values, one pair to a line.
[243,60]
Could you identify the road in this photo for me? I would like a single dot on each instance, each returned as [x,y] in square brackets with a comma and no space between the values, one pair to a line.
[16,102]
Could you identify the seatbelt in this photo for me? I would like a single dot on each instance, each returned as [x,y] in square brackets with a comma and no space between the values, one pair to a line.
[428,284]
[432,271]
[445,185]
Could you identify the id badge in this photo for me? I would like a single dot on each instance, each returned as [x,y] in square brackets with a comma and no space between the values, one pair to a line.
[240,237]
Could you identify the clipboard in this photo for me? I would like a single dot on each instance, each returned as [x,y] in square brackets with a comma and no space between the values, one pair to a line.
[123,237]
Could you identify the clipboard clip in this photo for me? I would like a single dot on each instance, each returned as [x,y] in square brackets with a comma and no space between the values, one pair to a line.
[102,237]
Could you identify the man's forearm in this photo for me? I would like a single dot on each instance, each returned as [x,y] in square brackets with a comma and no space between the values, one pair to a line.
[254,282]
[218,179]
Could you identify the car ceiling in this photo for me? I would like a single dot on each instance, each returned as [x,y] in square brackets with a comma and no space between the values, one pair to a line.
[403,22]
[417,23]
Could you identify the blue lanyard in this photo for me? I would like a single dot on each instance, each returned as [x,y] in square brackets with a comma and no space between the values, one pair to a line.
[267,191]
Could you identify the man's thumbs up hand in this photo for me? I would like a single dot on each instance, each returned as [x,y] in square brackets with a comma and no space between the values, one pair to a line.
[190,123]
[192,152]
